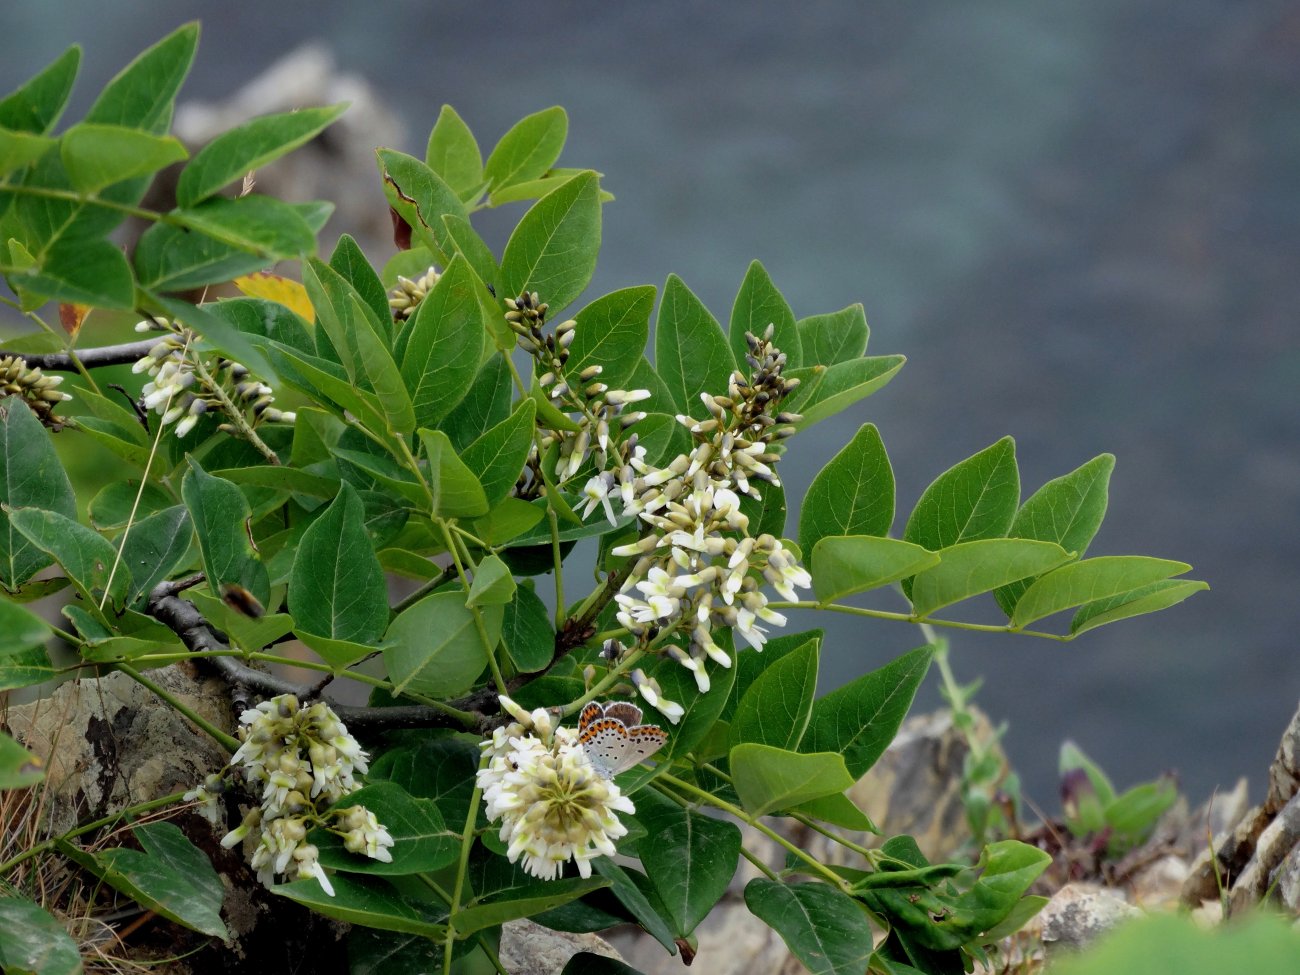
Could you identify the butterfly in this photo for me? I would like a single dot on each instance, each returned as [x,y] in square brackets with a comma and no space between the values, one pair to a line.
[614,738]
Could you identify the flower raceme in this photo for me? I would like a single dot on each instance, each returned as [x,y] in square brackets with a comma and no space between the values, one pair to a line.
[303,762]
[697,567]
[553,803]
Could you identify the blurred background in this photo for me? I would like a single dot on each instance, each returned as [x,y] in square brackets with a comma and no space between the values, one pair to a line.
[1079,221]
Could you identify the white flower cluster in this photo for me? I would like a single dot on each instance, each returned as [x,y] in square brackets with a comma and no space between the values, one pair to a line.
[598,407]
[300,759]
[40,391]
[407,295]
[180,394]
[553,804]
[697,565]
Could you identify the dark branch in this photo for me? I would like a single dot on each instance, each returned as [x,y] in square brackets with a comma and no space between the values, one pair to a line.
[105,355]
[183,618]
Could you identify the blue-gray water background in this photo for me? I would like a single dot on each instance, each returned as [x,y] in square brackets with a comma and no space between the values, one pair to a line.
[1080,222]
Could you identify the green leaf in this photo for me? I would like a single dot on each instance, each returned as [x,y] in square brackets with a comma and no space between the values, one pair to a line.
[154,548]
[444,346]
[172,258]
[261,225]
[758,304]
[221,515]
[453,154]
[435,647]
[247,147]
[1136,602]
[96,156]
[527,633]
[974,499]
[612,333]
[467,243]
[1067,510]
[838,810]
[540,897]
[485,405]
[216,330]
[691,352]
[367,901]
[171,876]
[85,556]
[837,337]
[945,919]
[535,189]
[645,377]
[36,105]
[112,507]
[456,491]
[337,653]
[823,392]
[553,250]
[750,664]
[25,668]
[438,769]
[351,264]
[421,840]
[690,859]
[143,93]
[853,494]
[376,363]
[30,476]
[860,719]
[421,198]
[31,940]
[845,564]
[1133,815]
[1089,581]
[283,478]
[20,630]
[826,930]
[526,151]
[337,588]
[19,149]
[372,952]
[769,779]
[498,456]
[776,708]
[85,272]
[630,895]
[969,568]
[493,584]
[19,768]
[320,378]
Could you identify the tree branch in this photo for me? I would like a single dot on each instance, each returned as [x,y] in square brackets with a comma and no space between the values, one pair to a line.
[105,355]
[183,618]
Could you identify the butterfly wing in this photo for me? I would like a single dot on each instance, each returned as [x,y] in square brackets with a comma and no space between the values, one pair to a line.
[624,711]
[592,713]
[643,741]
[606,743]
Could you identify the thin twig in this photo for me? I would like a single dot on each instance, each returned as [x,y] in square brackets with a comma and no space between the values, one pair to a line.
[104,355]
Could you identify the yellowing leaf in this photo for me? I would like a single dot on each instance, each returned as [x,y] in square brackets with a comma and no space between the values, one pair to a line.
[282,291]
[72,316]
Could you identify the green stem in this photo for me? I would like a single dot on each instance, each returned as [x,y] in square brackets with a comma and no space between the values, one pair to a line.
[871,856]
[882,614]
[752,858]
[235,414]
[483,942]
[46,845]
[815,866]
[474,611]
[553,520]
[605,683]
[226,741]
[462,868]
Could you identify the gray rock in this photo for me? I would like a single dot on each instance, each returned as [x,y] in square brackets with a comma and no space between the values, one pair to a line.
[1078,914]
[1279,838]
[1284,773]
[108,743]
[530,949]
